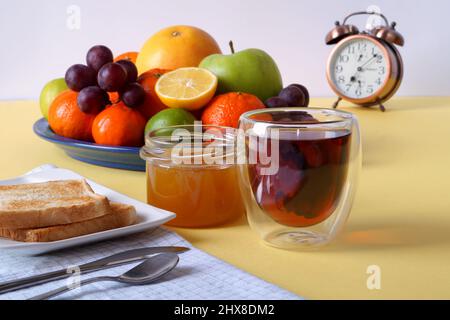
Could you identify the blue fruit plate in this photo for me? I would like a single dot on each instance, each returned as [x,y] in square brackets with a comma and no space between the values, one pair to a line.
[101,155]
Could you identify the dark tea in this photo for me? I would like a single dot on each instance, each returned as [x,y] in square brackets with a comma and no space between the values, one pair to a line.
[312,172]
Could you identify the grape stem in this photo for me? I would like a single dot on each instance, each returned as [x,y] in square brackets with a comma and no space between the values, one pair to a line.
[231,46]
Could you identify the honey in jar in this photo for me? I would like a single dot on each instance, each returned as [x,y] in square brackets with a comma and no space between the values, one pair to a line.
[201,194]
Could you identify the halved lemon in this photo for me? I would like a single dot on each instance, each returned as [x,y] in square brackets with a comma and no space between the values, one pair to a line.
[187,88]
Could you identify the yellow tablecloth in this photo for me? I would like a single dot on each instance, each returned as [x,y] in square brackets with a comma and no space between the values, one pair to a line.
[400,220]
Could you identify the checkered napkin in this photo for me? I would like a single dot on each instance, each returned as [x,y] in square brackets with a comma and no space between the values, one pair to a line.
[197,276]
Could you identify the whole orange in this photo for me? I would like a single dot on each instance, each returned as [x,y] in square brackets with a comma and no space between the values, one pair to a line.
[176,47]
[119,125]
[152,104]
[225,109]
[131,55]
[66,119]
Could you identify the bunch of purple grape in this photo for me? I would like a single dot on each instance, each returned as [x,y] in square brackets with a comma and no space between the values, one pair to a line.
[100,76]
[295,95]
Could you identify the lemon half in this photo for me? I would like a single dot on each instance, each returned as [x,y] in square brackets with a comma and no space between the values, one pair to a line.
[187,88]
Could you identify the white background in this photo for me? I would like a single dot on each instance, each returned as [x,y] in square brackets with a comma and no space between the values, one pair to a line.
[36,45]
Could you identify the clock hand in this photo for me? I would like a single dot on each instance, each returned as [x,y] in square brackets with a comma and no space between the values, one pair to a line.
[359,88]
[360,68]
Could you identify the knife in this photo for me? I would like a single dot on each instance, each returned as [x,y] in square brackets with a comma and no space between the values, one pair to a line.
[103,263]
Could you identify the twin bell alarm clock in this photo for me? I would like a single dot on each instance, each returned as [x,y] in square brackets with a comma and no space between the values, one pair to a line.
[364,68]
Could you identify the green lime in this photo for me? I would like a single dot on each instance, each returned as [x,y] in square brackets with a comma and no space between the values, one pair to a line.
[167,118]
[50,91]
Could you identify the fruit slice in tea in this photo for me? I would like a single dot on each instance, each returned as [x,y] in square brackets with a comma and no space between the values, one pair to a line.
[312,172]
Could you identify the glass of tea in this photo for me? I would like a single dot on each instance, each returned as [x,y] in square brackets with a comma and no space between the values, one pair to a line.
[300,173]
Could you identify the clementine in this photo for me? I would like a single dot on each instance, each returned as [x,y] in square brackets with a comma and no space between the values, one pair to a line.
[119,125]
[176,47]
[131,55]
[225,109]
[152,104]
[66,119]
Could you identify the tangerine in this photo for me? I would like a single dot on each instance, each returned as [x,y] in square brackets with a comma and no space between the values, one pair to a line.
[131,56]
[119,125]
[225,109]
[66,119]
[152,104]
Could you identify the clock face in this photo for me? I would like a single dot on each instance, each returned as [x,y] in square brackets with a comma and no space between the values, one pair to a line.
[358,68]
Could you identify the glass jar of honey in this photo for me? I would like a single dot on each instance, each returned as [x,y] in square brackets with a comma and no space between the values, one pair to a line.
[192,171]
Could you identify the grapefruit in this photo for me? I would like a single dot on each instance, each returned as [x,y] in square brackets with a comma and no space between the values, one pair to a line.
[176,47]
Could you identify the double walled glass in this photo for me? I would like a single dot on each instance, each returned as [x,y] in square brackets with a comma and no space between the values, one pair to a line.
[191,171]
[300,174]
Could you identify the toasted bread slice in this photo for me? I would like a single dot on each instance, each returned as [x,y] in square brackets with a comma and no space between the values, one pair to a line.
[51,203]
[121,215]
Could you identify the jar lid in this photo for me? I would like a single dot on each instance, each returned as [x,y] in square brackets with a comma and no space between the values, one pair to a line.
[190,145]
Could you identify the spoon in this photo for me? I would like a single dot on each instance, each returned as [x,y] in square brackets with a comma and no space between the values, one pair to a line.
[144,273]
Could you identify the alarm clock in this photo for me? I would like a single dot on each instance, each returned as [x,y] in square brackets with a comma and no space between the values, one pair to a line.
[364,68]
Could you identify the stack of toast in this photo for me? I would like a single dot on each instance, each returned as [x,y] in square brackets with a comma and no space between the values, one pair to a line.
[57,210]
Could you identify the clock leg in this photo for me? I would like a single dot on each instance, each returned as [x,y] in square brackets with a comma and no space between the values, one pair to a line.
[335,104]
[380,104]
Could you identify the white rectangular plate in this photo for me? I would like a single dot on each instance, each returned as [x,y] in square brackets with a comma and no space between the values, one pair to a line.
[148,217]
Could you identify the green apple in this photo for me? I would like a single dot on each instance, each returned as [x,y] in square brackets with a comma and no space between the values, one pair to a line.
[50,91]
[251,71]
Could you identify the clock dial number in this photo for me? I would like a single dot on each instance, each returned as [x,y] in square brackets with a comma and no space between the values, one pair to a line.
[348,87]
[359,69]
[362,46]
[344,58]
